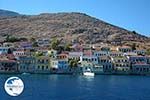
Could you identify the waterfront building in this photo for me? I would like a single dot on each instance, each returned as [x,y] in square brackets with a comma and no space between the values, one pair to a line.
[106,62]
[140,68]
[137,59]
[60,64]
[8,64]
[140,64]
[121,64]
[27,64]
[42,64]
[85,65]
[92,59]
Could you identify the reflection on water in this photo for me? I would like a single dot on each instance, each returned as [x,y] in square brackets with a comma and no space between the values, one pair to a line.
[73,87]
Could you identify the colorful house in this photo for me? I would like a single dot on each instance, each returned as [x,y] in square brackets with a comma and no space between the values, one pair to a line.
[27,64]
[121,64]
[140,68]
[42,64]
[25,45]
[92,59]
[75,55]
[137,59]
[139,64]
[60,63]
[19,52]
[8,64]
[4,50]
[107,64]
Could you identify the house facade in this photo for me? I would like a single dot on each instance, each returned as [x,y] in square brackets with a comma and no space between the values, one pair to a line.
[121,65]
[27,64]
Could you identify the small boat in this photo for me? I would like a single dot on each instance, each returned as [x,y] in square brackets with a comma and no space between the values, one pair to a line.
[25,73]
[88,73]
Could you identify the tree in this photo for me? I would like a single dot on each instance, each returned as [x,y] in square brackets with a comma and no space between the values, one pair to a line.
[32,39]
[73,63]
[67,47]
[38,54]
[134,32]
[54,44]
[148,52]
[13,39]
[35,44]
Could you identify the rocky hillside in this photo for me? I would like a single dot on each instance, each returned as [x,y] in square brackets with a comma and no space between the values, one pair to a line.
[67,26]
[6,13]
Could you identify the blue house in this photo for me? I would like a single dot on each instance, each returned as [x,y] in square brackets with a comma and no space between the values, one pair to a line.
[26,64]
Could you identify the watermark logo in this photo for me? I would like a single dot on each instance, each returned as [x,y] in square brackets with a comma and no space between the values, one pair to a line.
[14,86]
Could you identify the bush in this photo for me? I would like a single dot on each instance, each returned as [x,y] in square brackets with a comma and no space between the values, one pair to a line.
[14,39]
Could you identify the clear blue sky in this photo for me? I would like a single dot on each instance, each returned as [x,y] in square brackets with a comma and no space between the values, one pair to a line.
[129,14]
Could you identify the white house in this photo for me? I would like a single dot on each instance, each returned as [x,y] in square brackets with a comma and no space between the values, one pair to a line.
[4,50]
[75,55]
[107,63]
[43,42]
[137,59]
[92,59]
[18,53]
[140,68]
[124,49]
[115,54]
[121,64]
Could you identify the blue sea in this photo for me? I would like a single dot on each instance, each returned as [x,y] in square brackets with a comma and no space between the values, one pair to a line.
[73,87]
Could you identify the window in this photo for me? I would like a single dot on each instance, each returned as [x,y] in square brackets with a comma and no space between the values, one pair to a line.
[47,61]
[42,67]
[46,67]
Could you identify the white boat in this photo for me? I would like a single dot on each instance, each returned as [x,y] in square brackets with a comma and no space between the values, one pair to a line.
[25,73]
[88,73]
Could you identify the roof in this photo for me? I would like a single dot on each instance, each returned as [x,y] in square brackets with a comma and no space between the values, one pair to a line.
[141,63]
[8,61]
[124,47]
